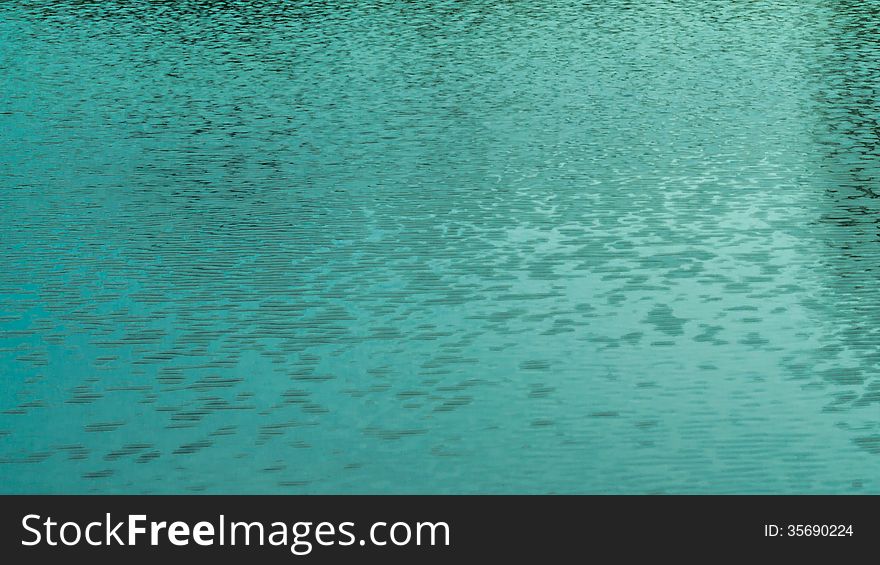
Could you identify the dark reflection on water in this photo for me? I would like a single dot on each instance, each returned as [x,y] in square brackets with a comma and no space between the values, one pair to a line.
[848,105]
[456,247]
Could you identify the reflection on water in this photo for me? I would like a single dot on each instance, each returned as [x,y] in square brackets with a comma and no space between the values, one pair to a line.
[264,247]
[848,105]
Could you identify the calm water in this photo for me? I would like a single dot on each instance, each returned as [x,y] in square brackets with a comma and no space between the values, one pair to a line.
[459,247]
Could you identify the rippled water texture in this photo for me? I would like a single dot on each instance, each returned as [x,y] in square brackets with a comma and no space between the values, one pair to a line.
[450,247]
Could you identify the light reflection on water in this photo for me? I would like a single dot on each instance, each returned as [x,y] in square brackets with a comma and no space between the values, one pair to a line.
[463,247]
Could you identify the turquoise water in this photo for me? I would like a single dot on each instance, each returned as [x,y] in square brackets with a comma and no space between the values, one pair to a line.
[458,247]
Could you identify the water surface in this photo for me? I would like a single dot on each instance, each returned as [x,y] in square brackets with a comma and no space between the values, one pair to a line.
[456,247]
